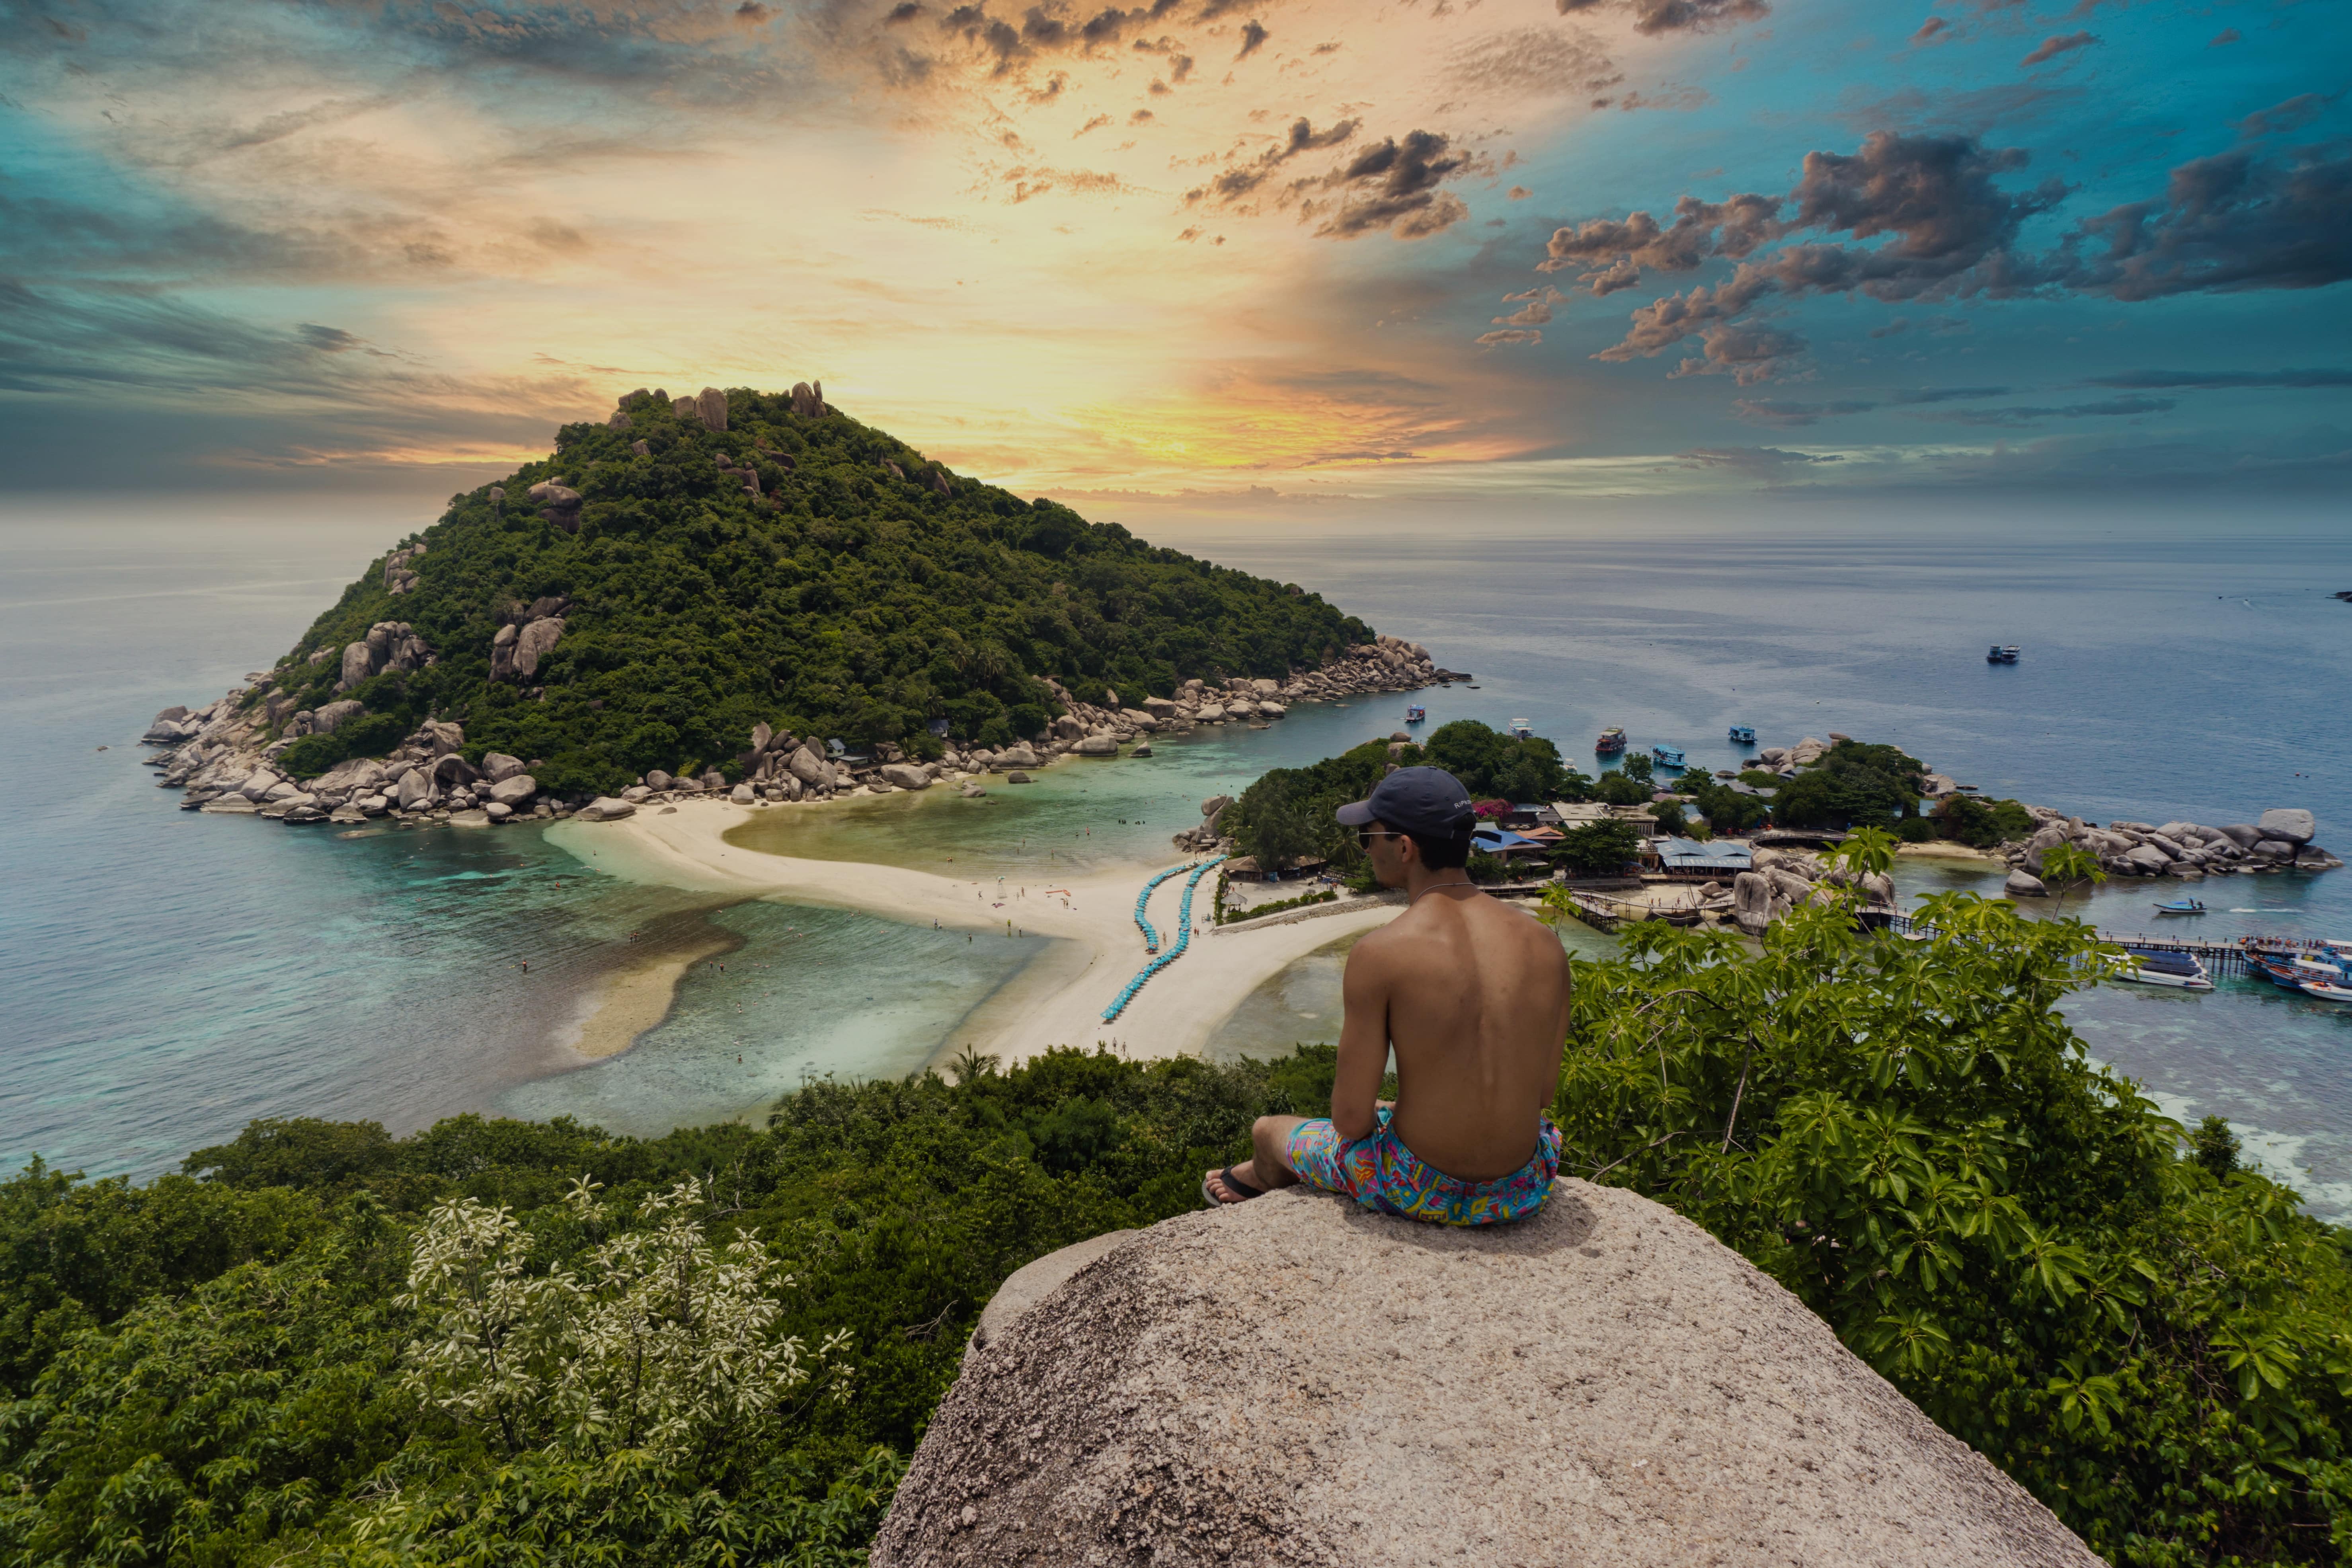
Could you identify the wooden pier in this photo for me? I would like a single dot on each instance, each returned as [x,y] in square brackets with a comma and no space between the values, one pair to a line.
[2234,956]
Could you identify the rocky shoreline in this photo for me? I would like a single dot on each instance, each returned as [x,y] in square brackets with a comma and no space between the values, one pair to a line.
[220,757]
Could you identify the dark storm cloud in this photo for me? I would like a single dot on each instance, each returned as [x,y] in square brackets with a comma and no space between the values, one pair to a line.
[2298,379]
[1394,186]
[1253,36]
[1235,184]
[1951,231]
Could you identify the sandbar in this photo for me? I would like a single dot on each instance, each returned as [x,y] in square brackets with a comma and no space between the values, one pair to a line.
[1058,1001]
[625,1003]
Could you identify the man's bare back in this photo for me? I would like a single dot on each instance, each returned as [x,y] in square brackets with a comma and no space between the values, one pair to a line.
[1473,995]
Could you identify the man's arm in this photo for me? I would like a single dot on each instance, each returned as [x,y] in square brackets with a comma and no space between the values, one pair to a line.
[1363,1043]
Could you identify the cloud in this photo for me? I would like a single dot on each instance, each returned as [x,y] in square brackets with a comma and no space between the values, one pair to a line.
[329,340]
[1394,186]
[1789,415]
[2143,379]
[1930,28]
[1535,307]
[1253,36]
[2227,223]
[2291,115]
[1517,194]
[2051,47]
[2112,408]
[1657,16]
[1786,413]
[1302,137]
[2226,36]
[1760,460]
[1492,340]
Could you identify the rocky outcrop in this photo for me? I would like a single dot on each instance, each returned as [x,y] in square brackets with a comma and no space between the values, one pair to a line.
[399,577]
[905,775]
[808,401]
[2181,849]
[389,645]
[1295,1381]
[529,634]
[559,503]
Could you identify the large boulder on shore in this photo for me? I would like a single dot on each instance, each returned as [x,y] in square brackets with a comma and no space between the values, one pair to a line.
[2024,885]
[515,789]
[2290,825]
[1297,1381]
[905,775]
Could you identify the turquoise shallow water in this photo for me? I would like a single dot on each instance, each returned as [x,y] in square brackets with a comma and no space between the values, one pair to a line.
[166,976]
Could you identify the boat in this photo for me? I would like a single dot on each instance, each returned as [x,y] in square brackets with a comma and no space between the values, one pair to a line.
[2001,653]
[1522,730]
[2318,969]
[2281,975]
[2181,907]
[1611,743]
[2327,990]
[1667,756]
[1415,714]
[2155,967]
[1743,734]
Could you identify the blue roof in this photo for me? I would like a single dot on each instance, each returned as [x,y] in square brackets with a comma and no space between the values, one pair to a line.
[1501,837]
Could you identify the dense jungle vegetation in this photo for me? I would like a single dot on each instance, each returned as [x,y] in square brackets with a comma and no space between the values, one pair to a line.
[281,1356]
[843,600]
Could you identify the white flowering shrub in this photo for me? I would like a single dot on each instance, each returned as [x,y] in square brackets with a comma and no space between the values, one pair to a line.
[655,1340]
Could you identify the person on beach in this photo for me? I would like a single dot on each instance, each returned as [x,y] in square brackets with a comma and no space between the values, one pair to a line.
[1473,997]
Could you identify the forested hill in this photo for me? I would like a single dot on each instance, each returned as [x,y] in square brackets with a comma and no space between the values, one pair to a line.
[696,567]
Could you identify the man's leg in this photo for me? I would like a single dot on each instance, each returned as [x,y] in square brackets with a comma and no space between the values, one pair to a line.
[1269,1164]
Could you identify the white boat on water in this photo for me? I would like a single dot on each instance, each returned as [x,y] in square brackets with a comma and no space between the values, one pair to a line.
[2156,967]
[2327,990]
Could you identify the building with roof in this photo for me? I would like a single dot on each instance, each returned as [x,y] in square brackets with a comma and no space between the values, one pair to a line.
[1720,857]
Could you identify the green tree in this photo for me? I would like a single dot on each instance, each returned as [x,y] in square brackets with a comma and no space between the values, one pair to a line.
[2066,867]
[1597,848]
[2214,1146]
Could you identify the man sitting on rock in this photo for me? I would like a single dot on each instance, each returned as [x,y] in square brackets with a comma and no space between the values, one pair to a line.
[1473,997]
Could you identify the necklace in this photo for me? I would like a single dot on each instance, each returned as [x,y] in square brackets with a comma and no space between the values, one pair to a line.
[1466,882]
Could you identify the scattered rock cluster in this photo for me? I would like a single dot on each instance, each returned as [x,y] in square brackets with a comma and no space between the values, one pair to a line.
[528,634]
[2279,840]
[389,645]
[223,768]
[1781,880]
[557,502]
[399,577]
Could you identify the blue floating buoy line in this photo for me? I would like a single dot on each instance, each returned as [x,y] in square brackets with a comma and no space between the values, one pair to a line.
[1151,937]
[1184,935]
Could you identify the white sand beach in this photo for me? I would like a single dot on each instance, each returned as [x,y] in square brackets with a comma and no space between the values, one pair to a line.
[1056,1001]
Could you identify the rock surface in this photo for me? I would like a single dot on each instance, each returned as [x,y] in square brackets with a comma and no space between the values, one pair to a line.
[1295,1381]
[2288,823]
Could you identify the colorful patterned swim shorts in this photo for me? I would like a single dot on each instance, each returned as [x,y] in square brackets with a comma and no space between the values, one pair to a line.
[1380,1172]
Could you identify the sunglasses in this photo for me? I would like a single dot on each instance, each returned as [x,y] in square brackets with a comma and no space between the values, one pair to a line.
[1364,835]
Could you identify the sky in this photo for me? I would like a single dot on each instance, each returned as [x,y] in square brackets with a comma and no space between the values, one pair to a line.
[1468,254]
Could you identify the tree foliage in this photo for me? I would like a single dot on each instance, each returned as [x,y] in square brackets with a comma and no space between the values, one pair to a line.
[1910,1138]
[286,1354]
[1489,762]
[843,600]
[1853,784]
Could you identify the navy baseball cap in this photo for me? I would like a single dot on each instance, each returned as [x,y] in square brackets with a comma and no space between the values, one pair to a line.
[1427,800]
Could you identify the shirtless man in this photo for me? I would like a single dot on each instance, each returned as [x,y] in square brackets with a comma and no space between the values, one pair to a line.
[1473,995]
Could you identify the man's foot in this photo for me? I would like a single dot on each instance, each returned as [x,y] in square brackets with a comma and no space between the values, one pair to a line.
[1227,1187]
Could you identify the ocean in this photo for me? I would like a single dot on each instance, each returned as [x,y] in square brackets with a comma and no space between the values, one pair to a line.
[166,976]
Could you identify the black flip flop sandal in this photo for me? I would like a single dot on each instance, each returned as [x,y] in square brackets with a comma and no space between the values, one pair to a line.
[1235,1183]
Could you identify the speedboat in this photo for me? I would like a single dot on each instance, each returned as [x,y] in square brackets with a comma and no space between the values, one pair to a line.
[1743,734]
[2181,907]
[2001,653]
[2331,973]
[1667,756]
[1611,743]
[2328,991]
[1522,730]
[2154,966]
[1415,714]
